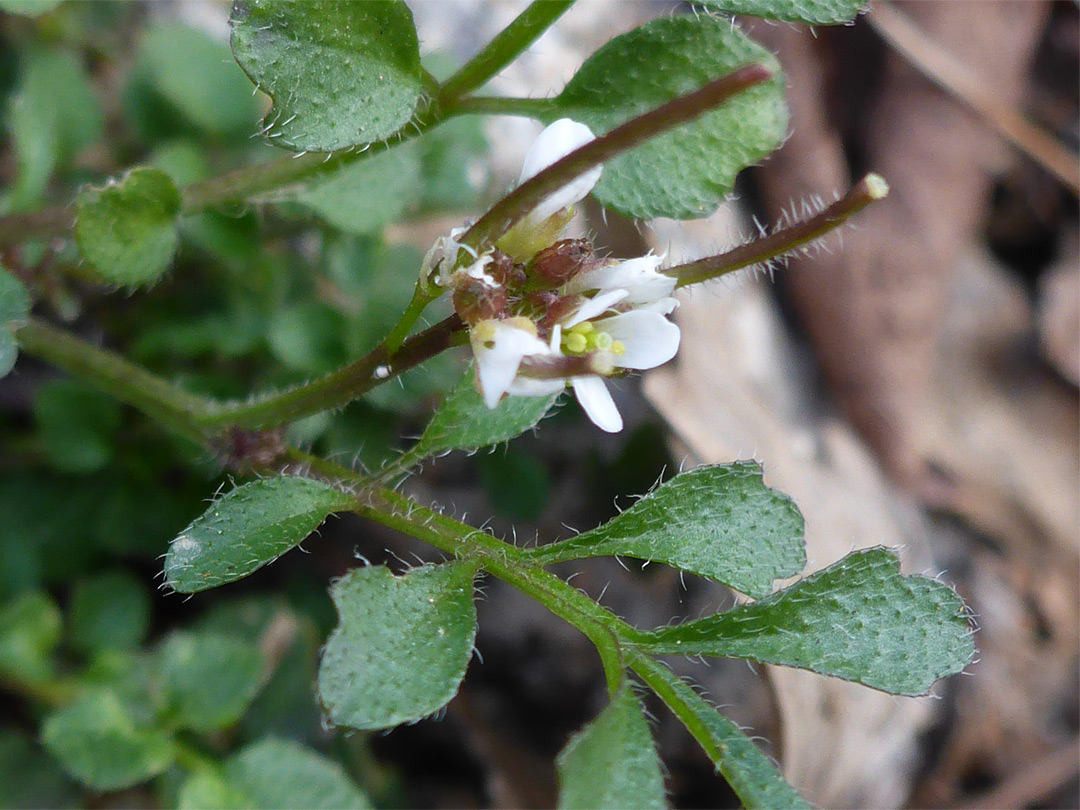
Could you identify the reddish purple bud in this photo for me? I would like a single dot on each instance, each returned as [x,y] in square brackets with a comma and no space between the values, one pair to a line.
[477,301]
[560,262]
[505,271]
[558,310]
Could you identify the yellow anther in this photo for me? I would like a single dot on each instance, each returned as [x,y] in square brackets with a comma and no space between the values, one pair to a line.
[574,342]
[617,348]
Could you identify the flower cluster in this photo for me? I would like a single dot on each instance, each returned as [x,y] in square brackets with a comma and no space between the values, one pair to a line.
[545,312]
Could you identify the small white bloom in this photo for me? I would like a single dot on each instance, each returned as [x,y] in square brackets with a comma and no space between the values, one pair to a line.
[557,141]
[499,347]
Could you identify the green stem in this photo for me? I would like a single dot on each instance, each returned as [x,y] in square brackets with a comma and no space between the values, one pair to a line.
[508,563]
[171,406]
[781,243]
[412,314]
[507,45]
[338,388]
[518,203]
[676,694]
[499,558]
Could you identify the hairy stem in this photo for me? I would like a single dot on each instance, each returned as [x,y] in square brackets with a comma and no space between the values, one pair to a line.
[340,387]
[870,189]
[518,203]
[173,407]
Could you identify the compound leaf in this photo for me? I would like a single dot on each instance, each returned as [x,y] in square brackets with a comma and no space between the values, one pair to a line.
[858,619]
[248,528]
[401,646]
[340,74]
[687,172]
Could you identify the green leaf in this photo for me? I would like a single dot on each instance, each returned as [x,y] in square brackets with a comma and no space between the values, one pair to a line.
[127,230]
[464,422]
[100,743]
[340,74]
[14,311]
[687,172]
[368,194]
[280,773]
[29,8]
[612,762]
[30,629]
[31,778]
[109,611]
[54,113]
[752,775]
[815,12]
[207,681]
[208,789]
[198,76]
[858,619]
[247,528]
[720,522]
[401,646]
[78,425]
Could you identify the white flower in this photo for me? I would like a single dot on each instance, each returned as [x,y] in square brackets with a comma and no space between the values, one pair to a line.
[557,141]
[638,339]
[542,226]
[499,347]
[617,320]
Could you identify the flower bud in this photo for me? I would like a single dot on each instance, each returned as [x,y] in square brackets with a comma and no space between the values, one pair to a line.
[505,271]
[557,310]
[475,300]
[558,263]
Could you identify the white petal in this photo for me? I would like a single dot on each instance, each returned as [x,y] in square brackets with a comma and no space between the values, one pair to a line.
[557,141]
[532,387]
[499,350]
[597,403]
[663,306]
[650,339]
[638,276]
[593,307]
